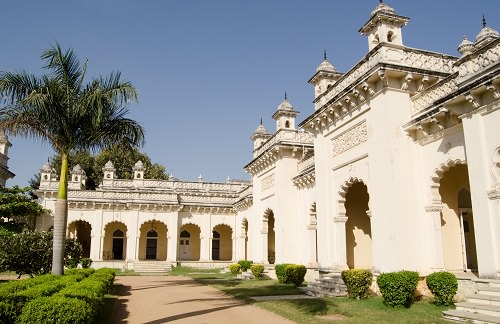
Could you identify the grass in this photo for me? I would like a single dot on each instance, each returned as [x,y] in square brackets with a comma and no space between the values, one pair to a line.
[316,310]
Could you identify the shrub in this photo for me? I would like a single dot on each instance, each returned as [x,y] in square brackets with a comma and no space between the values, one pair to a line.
[245,264]
[72,253]
[56,309]
[86,263]
[443,286]
[358,282]
[281,273]
[257,271]
[397,287]
[234,268]
[295,274]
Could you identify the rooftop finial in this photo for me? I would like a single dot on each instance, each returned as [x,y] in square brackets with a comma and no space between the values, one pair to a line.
[324,54]
[381,1]
[484,21]
[286,96]
[261,120]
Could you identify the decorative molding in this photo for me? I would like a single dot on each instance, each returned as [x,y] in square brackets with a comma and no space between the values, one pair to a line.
[436,208]
[267,182]
[350,138]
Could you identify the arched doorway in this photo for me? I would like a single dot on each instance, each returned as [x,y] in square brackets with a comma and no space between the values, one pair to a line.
[358,227]
[81,230]
[269,222]
[457,220]
[118,244]
[222,243]
[189,242]
[153,242]
[115,241]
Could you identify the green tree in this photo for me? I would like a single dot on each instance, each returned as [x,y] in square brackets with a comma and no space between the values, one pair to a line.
[59,108]
[18,208]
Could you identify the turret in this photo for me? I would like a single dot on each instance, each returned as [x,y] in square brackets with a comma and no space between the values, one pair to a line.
[285,115]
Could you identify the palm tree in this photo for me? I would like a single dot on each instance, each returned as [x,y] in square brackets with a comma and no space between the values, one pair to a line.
[60,109]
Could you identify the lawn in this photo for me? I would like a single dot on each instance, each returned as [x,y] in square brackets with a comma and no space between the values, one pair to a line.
[316,310]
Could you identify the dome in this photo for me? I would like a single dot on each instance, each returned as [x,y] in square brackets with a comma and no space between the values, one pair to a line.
[109,165]
[486,33]
[77,169]
[46,167]
[138,165]
[382,7]
[326,67]
[466,46]
[285,105]
[261,130]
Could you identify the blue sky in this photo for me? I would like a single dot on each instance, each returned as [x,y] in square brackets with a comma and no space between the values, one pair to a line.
[207,71]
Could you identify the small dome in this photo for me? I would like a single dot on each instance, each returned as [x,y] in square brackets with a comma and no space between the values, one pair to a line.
[261,130]
[285,105]
[77,169]
[382,7]
[486,33]
[46,167]
[109,165]
[466,46]
[326,67]
[139,165]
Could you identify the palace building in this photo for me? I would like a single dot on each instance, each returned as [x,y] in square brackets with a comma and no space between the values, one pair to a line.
[397,167]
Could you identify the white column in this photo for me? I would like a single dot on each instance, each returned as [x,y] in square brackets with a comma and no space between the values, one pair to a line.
[172,238]
[132,237]
[435,242]
[312,242]
[205,247]
[340,262]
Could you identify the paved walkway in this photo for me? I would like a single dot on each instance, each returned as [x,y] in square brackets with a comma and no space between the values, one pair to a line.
[173,299]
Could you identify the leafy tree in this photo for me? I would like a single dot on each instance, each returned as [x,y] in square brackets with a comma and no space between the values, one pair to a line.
[72,116]
[30,252]
[18,208]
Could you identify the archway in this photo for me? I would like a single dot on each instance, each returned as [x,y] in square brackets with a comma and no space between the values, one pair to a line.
[115,241]
[80,230]
[457,219]
[222,243]
[189,242]
[153,241]
[269,222]
[358,227]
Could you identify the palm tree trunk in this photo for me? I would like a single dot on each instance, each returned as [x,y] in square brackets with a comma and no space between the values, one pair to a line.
[60,219]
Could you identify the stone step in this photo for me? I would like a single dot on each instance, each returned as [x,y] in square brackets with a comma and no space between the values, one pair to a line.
[484,299]
[491,291]
[152,267]
[488,282]
[478,308]
[468,317]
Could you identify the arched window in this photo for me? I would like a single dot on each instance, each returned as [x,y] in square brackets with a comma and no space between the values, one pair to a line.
[152,233]
[287,124]
[185,234]
[390,36]
[216,234]
[118,233]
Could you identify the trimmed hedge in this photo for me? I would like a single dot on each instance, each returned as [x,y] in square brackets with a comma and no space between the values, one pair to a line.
[257,271]
[295,274]
[281,273]
[245,264]
[234,268]
[443,286]
[358,281]
[56,309]
[397,287]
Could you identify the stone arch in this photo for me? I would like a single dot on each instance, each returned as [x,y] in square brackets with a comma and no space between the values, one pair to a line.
[153,243]
[115,246]
[189,246]
[353,206]
[269,222]
[81,230]
[222,242]
[437,175]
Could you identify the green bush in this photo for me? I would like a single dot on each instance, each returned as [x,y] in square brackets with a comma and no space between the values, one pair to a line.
[56,309]
[245,264]
[281,273]
[358,282]
[443,286]
[397,287]
[295,274]
[257,271]
[234,268]
[86,263]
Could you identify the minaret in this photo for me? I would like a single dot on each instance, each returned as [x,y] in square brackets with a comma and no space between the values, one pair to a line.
[384,26]
[326,75]
[285,115]
[260,136]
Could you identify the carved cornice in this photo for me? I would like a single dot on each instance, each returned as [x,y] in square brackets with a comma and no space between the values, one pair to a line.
[434,208]
[494,193]
[305,180]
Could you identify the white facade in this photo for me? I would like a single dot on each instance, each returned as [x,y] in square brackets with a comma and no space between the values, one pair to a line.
[398,167]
